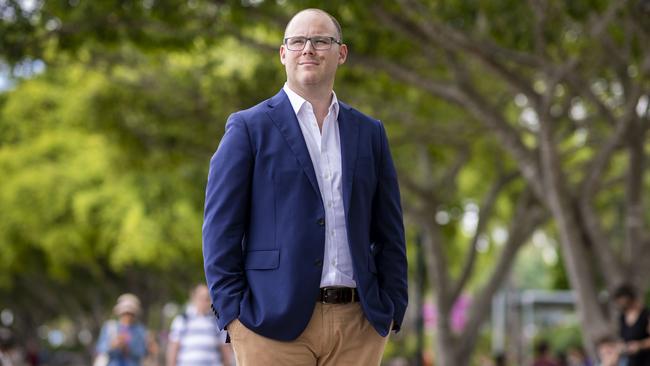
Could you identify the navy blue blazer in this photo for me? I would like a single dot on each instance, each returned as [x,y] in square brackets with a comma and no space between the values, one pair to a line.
[264,222]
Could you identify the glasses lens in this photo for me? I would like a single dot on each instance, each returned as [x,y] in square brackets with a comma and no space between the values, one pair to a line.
[296,43]
[321,43]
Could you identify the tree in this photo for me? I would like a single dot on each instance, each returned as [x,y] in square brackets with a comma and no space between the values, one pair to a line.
[579,73]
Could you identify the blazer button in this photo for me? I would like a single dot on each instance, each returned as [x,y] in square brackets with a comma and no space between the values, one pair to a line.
[321,222]
[318,263]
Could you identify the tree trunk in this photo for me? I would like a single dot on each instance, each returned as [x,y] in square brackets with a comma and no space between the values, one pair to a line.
[445,342]
[576,259]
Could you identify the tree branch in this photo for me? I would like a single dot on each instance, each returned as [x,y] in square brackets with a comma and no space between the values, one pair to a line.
[595,170]
[451,174]
[582,87]
[419,14]
[453,40]
[539,12]
[476,105]
[528,219]
[437,261]
[444,90]
[634,213]
[485,213]
[509,137]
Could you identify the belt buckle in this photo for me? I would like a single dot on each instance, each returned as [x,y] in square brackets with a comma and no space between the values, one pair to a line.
[324,296]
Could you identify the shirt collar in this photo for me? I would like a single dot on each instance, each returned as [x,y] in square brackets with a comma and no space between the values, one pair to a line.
[297,102]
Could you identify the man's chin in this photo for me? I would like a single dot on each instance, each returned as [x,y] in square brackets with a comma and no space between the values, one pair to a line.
[309,80]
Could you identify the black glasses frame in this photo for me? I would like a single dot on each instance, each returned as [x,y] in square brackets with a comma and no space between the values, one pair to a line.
[311,39]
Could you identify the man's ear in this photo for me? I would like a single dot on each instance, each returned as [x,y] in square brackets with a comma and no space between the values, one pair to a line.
[283,53]
[343,54]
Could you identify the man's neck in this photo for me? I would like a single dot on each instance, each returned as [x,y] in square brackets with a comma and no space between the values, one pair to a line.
[316,96]
[319,98]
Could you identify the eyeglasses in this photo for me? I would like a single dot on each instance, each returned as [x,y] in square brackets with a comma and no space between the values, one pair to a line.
[320,43]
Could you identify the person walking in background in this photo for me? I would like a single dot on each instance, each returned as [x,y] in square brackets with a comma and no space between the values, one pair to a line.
[609,352]
[500,359]
[634,325]
[578,357]
[543,355]
[194,338]
[303,238]
[9,354]
[123,342]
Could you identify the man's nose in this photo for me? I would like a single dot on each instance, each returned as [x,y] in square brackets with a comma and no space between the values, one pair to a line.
[309,48]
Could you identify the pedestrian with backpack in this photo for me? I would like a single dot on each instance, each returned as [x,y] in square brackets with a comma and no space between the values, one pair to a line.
[194,338]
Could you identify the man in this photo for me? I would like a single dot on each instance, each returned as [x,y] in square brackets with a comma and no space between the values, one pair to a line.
[303,239]
[609,352]
[634,325]
[194,338]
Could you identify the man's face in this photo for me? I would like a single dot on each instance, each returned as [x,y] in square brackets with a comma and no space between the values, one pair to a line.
[608,353]
[201,300]
[127,318]
[311,68]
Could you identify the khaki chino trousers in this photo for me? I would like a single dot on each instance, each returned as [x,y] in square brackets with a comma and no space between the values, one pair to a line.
[337,335]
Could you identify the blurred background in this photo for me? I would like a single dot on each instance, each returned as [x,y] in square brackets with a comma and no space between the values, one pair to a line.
[519,130]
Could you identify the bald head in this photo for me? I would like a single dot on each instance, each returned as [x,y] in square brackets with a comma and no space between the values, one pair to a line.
[314,11]
[311,67]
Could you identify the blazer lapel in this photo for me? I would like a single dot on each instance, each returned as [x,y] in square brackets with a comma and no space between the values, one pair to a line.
[284,118]
[349,133]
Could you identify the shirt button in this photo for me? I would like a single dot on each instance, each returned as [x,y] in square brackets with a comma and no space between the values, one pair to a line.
[318,263]
[321,222]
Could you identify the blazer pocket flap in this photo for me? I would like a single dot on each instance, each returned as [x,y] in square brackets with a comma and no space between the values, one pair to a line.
[262,259]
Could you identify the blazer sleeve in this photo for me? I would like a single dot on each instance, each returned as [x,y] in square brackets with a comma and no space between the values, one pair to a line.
[225,219]
[387,231]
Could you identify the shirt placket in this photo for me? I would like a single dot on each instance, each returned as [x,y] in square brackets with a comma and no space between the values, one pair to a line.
[321,165]
[327,158]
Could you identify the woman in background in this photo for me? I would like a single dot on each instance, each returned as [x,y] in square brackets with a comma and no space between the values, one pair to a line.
[123,342]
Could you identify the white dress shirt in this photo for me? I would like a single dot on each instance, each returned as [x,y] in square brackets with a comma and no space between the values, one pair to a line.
[325,152]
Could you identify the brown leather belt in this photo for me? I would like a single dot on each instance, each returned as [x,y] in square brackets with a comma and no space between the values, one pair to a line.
[338,295]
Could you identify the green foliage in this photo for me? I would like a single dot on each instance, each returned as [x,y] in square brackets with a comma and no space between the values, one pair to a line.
[104,169]
[562,338]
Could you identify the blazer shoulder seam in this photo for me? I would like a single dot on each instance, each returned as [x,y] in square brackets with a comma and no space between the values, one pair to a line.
[244,121]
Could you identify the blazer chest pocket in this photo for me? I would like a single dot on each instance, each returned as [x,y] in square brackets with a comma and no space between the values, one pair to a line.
[262,259]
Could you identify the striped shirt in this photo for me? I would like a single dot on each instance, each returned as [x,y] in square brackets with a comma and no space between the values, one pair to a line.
[199,339]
